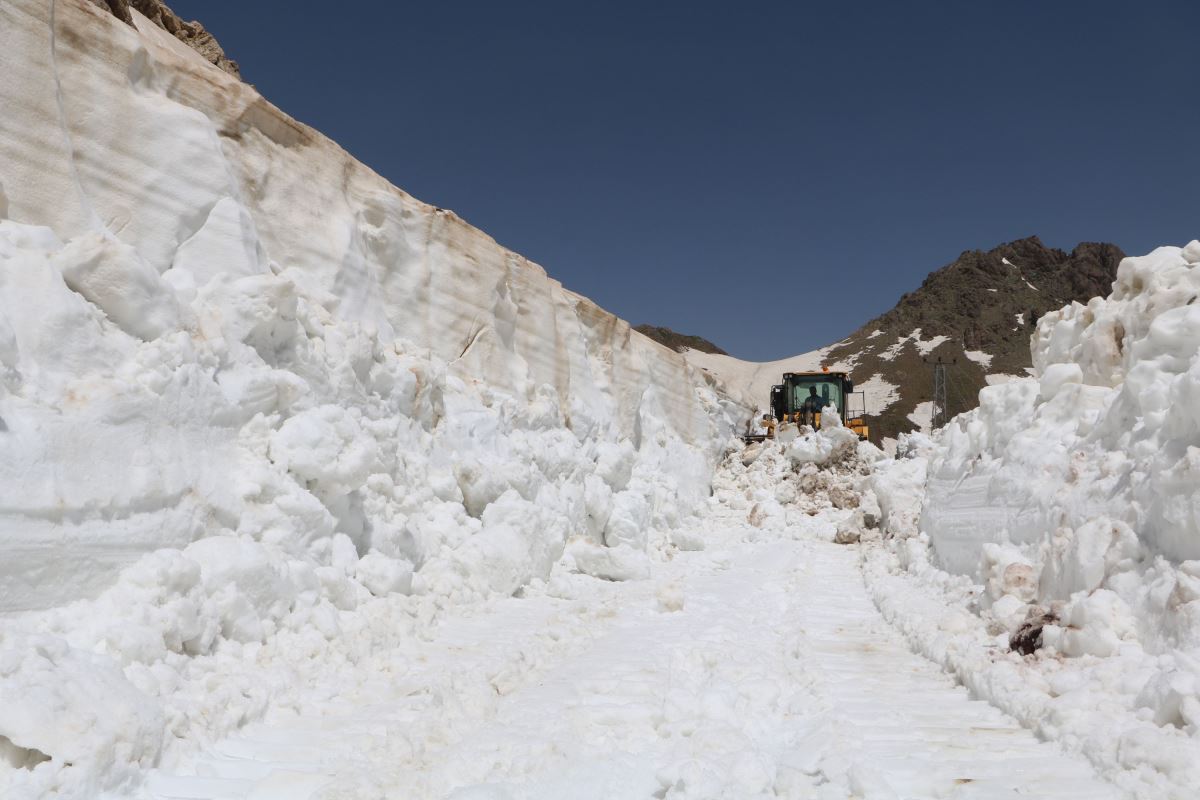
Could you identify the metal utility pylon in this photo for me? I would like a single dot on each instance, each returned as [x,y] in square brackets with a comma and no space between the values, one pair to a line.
[941,403]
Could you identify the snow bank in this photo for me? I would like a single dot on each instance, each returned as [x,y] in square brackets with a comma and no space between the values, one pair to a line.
[1092,466]
[1070,502]
[252,396]
[898,485]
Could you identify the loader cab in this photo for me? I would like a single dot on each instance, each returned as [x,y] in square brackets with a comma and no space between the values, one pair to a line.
[790,399]
[817,394]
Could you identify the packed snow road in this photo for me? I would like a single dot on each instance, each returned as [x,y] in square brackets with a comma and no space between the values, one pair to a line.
[756,668]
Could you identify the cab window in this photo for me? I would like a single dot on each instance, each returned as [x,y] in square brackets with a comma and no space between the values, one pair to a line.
[828,391]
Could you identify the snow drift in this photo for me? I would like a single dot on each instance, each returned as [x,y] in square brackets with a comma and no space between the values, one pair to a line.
[248,388]
[1068,505]
[1094,466]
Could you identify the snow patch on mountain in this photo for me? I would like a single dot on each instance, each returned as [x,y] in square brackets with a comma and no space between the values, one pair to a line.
[923,346]
[877,393]
[922,417]
[751,381]
[929,345]
[979,357]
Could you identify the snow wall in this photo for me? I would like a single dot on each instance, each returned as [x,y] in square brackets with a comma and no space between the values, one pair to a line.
[1091,470]
[247,386]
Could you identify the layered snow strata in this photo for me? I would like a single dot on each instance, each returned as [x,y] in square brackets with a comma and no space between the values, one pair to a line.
[252,396]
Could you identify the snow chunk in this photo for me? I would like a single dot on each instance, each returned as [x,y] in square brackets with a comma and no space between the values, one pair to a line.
[383,576]
[831,443]
[326,445]
[75,708]
[113,277]
[1096,624]
[620,563]
[1006,571]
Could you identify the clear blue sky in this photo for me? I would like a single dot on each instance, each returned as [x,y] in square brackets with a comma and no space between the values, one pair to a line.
[767,175]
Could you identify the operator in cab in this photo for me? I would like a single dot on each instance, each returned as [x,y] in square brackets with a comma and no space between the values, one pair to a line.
[814,402]
[813,405]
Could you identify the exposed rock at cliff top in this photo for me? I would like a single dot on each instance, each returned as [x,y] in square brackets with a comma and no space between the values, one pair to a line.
[193,34]
[678,342]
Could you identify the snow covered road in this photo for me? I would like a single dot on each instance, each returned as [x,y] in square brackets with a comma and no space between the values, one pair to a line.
[758,667]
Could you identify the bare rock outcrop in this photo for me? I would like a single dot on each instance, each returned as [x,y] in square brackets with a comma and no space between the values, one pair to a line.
[193,34]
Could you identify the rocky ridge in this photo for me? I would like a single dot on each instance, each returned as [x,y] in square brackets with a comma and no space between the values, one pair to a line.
[977,314]
[193,34]
[679,342]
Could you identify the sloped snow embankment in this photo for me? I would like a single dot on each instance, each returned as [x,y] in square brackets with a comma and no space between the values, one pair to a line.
[261,413]
[1062,519]
[750,382]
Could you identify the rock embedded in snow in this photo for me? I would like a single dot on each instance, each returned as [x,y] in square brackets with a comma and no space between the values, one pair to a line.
[1029,635]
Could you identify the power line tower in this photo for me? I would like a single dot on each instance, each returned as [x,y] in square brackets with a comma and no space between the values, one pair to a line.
[941,402]
[941,394]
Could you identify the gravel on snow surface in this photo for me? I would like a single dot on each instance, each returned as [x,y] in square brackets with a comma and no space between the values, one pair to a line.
[758,667]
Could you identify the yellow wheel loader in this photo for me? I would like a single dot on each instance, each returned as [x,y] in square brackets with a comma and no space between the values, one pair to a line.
[804,396]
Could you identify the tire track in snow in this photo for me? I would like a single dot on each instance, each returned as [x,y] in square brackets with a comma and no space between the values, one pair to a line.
[899,726]
[776,678]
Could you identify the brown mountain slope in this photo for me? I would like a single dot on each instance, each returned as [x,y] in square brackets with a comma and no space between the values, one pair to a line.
[678,341]
[977,313]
